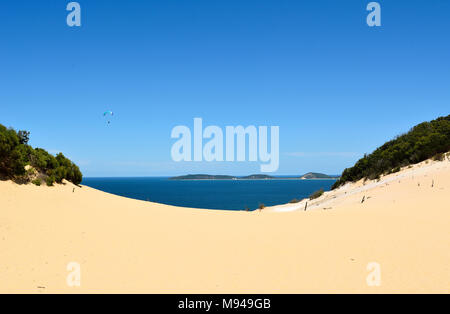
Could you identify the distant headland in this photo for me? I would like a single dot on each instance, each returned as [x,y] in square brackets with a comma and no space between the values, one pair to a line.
[316,175]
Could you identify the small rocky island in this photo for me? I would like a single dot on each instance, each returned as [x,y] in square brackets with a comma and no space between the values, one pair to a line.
[315,175]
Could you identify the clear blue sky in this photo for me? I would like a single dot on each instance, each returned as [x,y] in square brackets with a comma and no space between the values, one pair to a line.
[336,87]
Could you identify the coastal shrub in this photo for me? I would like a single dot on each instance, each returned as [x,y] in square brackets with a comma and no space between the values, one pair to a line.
[422,142]
[294,201]
[50,180]
[37,182]
[261,206]
[24,137]
[9,155]
[439,157]
[316,194]
[15,154]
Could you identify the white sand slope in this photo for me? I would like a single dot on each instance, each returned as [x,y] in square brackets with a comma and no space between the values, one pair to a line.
[328,199]
[125,245]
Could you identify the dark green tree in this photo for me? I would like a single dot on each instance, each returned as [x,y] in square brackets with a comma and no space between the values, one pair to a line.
[24,136]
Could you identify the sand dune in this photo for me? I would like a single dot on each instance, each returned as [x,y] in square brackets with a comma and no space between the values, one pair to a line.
[125,245]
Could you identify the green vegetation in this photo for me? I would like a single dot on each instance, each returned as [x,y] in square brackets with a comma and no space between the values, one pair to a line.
[24,137]
[422,142]
[15,154]
[316,194]
[50,180]
[37,182]
[439,157]
[294,201]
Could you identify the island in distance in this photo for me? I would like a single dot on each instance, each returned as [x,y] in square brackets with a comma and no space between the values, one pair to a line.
[307,176]
[315,175]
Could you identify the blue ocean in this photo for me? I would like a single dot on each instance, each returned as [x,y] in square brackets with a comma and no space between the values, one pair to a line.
[210,194]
